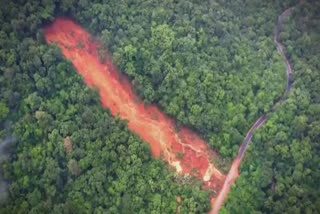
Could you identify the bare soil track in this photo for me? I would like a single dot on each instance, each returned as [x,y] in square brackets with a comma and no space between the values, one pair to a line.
[185,151]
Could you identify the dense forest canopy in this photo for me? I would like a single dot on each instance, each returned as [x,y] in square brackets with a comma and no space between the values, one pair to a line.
[281,173]
[202,62]
[212,65]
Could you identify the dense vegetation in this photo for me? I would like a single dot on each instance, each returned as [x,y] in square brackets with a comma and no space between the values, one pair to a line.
[281,173]
[71,155]
[212,65]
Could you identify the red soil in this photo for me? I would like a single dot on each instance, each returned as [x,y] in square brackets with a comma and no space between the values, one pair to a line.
[147,121]
[231,178]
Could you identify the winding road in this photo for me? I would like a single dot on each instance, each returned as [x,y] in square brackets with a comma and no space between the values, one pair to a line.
[234,170]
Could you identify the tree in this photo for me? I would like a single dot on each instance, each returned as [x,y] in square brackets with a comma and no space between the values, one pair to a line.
[4,111]
[73,167]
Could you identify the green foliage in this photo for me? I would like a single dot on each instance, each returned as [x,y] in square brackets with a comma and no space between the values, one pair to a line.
[212,65]
[4,110]
[281,171]
[72,156]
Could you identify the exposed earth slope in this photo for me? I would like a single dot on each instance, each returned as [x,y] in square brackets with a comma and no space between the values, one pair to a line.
[182,149]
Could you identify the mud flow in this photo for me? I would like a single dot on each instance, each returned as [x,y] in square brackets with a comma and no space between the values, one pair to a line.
[184,150]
